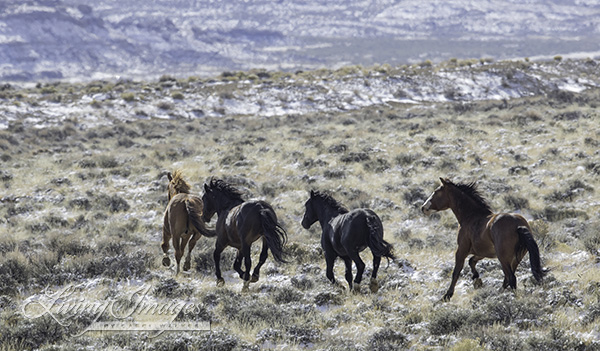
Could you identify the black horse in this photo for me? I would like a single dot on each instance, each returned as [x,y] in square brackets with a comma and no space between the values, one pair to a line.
[345,234]
[239,224]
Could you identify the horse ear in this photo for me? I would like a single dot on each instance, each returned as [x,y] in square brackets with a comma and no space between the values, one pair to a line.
[169,176]
[206,189]
[445,181]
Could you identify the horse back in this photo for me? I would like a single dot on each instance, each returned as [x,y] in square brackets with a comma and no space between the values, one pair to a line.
[351,230]
[243,222]
[176,215]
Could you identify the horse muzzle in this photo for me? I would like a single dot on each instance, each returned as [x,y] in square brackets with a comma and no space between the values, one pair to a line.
[426,208]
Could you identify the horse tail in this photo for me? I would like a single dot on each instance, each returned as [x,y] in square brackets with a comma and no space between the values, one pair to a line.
[195,217]
[274,234]
[378,246]
[526,240]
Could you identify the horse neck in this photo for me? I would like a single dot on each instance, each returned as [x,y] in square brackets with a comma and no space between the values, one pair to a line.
[326,213]
[465,209]
[224,204]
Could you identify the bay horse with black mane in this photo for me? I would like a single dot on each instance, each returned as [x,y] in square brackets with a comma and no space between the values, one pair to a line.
[182,221]
[345,234]
[484,234]
[239,224]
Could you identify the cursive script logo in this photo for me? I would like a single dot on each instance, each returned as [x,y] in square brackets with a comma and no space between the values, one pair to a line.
[133,311]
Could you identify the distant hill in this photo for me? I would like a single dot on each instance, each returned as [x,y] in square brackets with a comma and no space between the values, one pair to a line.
[83,40]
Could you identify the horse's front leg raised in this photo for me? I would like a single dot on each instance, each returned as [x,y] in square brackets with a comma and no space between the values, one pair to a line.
[477,283]
[459,263]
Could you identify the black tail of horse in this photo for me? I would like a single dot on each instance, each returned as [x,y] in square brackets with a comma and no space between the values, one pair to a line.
[275,236]
[526,239]
[195,217]
[378,246]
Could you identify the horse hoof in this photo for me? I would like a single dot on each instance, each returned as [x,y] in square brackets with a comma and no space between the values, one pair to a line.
[186,266]
[254,279]
[374,286]
[477,283]
[246,287]
[166,261]
[220,282]
[446,298]
[356,288]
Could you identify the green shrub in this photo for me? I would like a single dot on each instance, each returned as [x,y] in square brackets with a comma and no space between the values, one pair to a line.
[303,335]
[447,320]
[556,340]
[328,298]
[14,273]
[112,203]
[129,97]
[255,312]
[286,295]
[30,333]
[387,339]
[177,95]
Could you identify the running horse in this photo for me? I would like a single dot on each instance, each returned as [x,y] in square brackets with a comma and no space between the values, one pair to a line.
[345,234]
[484,234]
[239,224]
[182,221]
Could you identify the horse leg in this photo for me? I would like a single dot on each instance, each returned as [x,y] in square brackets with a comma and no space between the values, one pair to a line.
[329,260]
[217,258]
[348,275]
[510,280]
[247,264]
[461,255]
[477,283]
[373,285]
[261,261]
[179,254]
[166,236]
[360,269]
[237,264]
[177,248]
[188,258]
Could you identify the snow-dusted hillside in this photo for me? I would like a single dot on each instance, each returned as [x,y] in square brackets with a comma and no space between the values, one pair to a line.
[82,40]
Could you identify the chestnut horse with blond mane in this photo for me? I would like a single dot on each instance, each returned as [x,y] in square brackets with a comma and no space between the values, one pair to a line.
[183,221]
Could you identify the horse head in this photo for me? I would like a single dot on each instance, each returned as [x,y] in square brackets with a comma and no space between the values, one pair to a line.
[310,216]
[439,200]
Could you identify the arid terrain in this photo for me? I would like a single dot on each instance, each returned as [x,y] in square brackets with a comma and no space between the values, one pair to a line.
[83,189]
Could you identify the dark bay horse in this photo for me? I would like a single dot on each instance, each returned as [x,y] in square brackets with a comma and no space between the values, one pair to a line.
[345,234]
[182,221]
[239,224]
[484,234]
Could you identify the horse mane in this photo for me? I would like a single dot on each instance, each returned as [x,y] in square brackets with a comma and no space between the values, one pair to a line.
[225,188]
[179,184]
[330,201]
[470,190]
